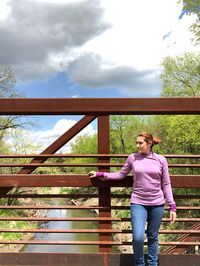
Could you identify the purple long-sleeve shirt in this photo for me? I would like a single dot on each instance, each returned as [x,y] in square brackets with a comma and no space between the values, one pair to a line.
[151,181]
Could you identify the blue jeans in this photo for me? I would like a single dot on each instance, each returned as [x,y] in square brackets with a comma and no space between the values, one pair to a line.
[141,214]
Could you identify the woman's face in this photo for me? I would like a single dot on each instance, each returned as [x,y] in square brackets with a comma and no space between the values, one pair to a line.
[142,145]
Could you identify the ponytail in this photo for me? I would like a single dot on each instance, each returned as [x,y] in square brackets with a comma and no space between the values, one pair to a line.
[148,137]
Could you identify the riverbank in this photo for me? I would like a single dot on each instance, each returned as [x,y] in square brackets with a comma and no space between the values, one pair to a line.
[80,202]
[25,236]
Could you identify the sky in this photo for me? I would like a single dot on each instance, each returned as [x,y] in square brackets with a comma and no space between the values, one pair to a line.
[90,48]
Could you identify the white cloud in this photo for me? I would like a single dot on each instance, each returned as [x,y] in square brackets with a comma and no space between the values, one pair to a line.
[136,37]
[4,9]
[36,35]
[42,139]
[122,41]
[92,72]
[46,137]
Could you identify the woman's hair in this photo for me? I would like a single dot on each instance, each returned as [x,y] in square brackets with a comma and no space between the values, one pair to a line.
[148,137]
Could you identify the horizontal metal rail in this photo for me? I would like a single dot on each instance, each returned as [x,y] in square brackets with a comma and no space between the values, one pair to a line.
[100,106]
[84,165]
[182,244]
[82,207]
[168,220]
[84,259]
[74,219]
[59,242]
[64,180]
[104,219]
[92,231]
[84,242]
[78,155]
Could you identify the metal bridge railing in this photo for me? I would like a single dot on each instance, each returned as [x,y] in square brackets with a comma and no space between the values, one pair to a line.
[113,222]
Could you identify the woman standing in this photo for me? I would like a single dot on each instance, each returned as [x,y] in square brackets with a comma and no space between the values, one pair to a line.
[151,188]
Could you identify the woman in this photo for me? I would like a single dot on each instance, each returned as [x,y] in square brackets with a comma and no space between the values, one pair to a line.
[151,188]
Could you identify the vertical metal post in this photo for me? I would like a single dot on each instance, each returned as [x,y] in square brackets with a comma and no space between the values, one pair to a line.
[104,192]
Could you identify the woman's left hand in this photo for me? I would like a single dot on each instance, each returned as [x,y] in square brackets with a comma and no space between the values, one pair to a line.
[172,217]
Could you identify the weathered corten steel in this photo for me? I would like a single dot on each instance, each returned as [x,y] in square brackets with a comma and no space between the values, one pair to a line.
[100,106]
[104,193]
[100,109]
[63,180]
[63,259]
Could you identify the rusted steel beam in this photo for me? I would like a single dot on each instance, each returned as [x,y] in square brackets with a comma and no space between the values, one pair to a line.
[59,242]
[189,196]
[85,165]
[104,192]
[192,232]
[36,180]
[75,219]
[52,207]
[184,238]
[101,219]
[53,196]
[192,219]
[179,260]
[55,146]
[99,243]
[168,232]
[186,156]
[184,181]
[119,196]
[100,106]
[169,243]
[59,143]
[90,231]
[82,207]
[63,259]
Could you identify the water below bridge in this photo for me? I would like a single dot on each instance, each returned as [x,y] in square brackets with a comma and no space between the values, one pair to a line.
[65,236]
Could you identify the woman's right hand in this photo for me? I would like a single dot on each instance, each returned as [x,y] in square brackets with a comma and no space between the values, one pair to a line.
[92,174]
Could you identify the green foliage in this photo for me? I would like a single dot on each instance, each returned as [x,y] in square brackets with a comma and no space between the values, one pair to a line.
[193,7]
[14,224]
[178,133]
[123,131]
[181,75]
[83,145]
[7,82]
[77,190]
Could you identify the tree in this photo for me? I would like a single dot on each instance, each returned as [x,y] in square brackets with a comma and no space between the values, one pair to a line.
[181,75]
[124,129]
[7,90]
[7,82]
[193,7]
[178,133]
